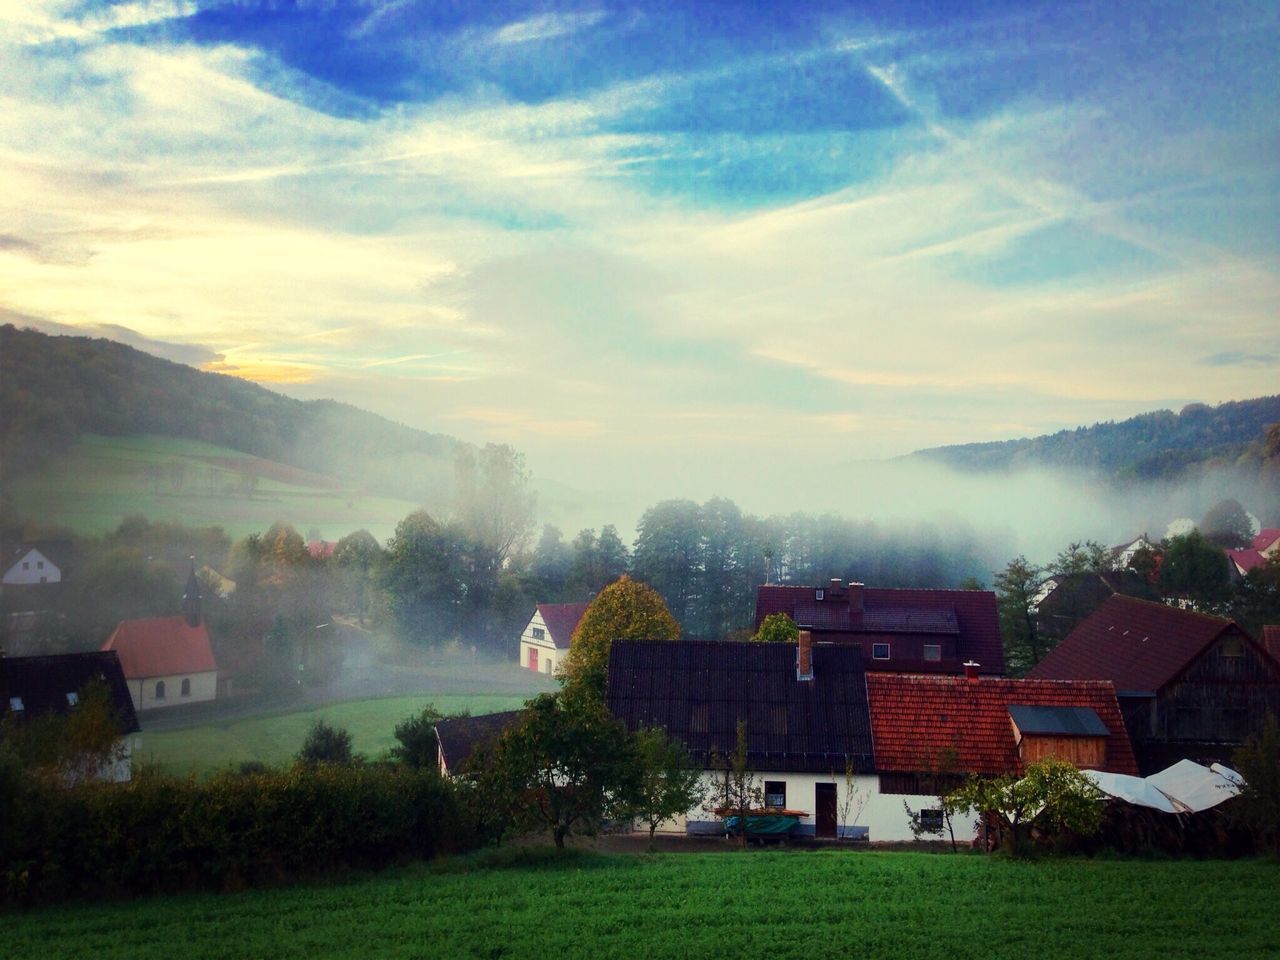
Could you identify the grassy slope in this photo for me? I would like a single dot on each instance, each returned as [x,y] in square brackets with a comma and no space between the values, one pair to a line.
[776,905]
[102,479]
[276,739]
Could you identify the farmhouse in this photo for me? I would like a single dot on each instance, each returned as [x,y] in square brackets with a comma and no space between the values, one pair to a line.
[1190,686]
[904,631]
[458,738]
[35,687]
[167,661]
[32,564]
[545,640]
[805,709]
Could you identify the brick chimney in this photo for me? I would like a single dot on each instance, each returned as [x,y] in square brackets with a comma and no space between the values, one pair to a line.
[804,656]
[855,596]
[971,670]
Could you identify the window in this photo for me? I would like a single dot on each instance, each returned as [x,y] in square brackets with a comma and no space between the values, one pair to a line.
[931,820]
[933,652]
[159,689]
[538,633]
[15,704]
[819,594]
[775,793]
[1232,648]
[26,564]
[879,651]
[39,564]
[72,699]
[186,687]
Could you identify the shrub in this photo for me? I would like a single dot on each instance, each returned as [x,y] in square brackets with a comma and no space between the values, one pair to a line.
[326,744]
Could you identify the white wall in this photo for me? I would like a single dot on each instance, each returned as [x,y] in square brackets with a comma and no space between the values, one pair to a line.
[32,567]
[204,686]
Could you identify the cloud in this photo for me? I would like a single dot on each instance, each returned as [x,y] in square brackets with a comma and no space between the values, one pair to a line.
[547,26]
[191,354]
[1240,359]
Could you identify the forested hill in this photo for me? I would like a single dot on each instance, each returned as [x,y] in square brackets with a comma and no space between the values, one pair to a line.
[53,389]
[1155,445]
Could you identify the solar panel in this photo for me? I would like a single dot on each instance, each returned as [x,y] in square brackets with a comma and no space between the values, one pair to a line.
[1057,721]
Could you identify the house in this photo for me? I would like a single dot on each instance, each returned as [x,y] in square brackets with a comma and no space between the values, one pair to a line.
[31,564]
[1070,598]
[33,687]
[907,631]
[805,708]
[167,661]
[930,732]
[1122,556]
[458,738]
[1265,546]
[545,641]
[1190,686]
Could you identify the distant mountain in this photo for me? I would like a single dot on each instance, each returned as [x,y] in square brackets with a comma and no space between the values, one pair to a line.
[53,389]
[1150,446]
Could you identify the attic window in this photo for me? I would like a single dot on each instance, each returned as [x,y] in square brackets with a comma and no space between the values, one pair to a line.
[933,652]
[538,633]
[819,594]
[1232,648]
[879,651]
[15,704]
[72,699]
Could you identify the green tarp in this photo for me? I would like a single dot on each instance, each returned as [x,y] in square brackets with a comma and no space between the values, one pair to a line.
[771,825]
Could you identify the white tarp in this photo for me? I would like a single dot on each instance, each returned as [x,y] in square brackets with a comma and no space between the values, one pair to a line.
[1195,787]
[1133,790]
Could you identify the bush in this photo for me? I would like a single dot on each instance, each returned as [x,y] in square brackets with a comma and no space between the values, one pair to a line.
[163,834]
[326,744]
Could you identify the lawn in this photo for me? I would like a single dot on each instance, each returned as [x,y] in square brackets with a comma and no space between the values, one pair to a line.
[276,739]
[785,904]
[101,480]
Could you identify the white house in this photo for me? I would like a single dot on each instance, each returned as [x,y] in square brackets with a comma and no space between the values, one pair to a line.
[545,641]
[31,564]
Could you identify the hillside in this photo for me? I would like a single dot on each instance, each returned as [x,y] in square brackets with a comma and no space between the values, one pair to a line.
[1150,446]
[54,390]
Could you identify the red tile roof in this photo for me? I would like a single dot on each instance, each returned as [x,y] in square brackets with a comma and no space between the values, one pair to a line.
[161,647]
[971,616]
[1137,644]
[1266,538]
[561,620]
[915,718]
[321,549]
[1246,560]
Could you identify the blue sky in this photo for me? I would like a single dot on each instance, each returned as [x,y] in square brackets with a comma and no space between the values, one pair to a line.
[679,247]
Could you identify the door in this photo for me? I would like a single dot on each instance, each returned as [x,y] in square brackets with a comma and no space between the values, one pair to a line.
[824,805]
[533,659]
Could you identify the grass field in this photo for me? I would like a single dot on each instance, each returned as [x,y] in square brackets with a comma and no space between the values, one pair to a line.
[786,904]
[103,479]
[275,740]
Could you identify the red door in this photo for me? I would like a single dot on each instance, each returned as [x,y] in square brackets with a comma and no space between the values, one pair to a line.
[533,659]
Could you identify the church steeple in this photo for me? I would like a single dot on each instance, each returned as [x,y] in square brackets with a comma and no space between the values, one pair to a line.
[191,597]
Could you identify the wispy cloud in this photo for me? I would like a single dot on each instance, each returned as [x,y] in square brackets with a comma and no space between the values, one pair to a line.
[546,26]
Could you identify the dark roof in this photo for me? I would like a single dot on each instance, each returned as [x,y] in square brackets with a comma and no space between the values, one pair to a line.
[460,737]
[916,719]
[561,620]
[60,552]
[971,616]
[1136,644]
[1038,720]
[42,684]
[698,691]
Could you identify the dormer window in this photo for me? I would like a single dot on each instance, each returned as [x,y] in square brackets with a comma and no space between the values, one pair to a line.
[879,651]
[819,594]
[15,704]
[73,698]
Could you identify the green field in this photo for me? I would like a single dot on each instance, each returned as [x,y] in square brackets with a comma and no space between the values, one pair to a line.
[274,740]
[103,479]
[786,904]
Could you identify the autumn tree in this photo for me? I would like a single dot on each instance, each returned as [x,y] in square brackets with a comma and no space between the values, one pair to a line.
[75,747]
[777,628]
[625,610]
[669,783]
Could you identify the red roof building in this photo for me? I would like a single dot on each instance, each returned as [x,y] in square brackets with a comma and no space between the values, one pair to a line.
[166,661]
[902,631]
[1190,685]
[917,720]
[546,638]
[1265,546]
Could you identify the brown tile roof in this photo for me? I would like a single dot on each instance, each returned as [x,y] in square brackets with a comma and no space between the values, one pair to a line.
[561,620]
[697,691]
[971,616]
[161,647]
[915,718]
[42,684]
[1137,644]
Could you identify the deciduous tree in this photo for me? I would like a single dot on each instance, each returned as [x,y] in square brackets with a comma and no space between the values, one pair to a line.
[777,628]
[669,783]
[625,610]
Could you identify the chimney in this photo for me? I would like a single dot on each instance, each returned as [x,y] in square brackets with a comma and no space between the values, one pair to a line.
[804,656]
[971,670]
[855,596]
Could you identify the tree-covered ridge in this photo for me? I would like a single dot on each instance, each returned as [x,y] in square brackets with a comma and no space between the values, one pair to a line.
[1150,446]
[54,389]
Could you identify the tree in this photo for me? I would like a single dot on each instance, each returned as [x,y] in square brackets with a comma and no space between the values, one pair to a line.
[1227,524]
[416,739]
[325,744]
[493,502]
[1081,557]
[551,561]
[423,577]
[625,610]
[777,628]
[1258,805]
[939,778]
[1194,569]
[356,555]
[75,747]
[737,793]
[565,767]
[1016,588]
[668,553]
[1055,795]
[669,783]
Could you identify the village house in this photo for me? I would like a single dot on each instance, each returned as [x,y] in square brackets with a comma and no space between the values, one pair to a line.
[545,641]
[1265,546]
[36,563]
[1190,686]
[458,738]
[905,631]
[1066,600]
[35,687]
[167,661]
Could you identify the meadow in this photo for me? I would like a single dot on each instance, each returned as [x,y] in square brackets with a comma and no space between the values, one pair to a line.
[274,740]
[101,480]
[530,902]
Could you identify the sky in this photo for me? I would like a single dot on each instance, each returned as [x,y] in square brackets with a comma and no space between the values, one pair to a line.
[669,248]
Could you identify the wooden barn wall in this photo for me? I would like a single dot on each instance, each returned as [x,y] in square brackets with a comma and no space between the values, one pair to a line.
[1084,752]
[1220,698]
